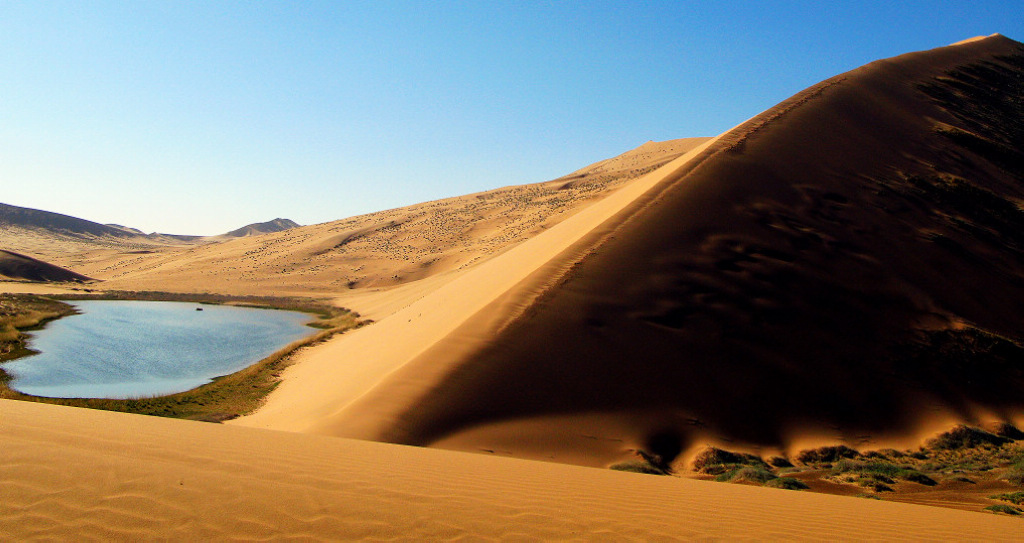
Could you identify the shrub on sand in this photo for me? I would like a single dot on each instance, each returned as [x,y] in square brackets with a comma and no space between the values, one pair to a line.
[965,437]
[1015,477]
[787,483]
[873,474]
[714,461]
[826,455]
[880,468]
[638,466]
[915,476]
[1004,509]
[1009,431]
[1016,498]
[746,474]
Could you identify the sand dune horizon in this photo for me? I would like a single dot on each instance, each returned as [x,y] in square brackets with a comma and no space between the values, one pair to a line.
[845,267]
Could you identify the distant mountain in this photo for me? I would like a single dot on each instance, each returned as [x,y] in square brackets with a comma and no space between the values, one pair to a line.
[132,231]
[255,229]
[64,224]
[18,266]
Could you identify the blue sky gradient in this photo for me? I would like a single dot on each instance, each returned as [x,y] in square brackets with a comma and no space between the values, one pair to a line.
[197,118]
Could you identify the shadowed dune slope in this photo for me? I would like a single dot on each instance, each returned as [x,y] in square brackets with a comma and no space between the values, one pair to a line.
[78,474]
[56,222]
[849,262]
[17,266]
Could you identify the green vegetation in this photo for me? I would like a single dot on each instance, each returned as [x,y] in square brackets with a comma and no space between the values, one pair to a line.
[1016,498]
[713,461]
[226,397]
[787,483]
[826,455]
[1015,477]
[735,467]
[991,458]
[638,466]
[24,312]
[965,437]
[746,474]
[1003,508]
[877,475]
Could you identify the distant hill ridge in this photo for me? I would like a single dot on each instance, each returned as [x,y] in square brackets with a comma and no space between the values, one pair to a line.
[65,224]
[47,220]
[255,229]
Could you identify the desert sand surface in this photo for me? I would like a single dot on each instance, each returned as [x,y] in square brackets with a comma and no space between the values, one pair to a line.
[375,251]
[318,388]
[102,475]
[813,276]
[804,275]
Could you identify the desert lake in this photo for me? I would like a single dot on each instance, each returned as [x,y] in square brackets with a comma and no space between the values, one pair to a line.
[125,349]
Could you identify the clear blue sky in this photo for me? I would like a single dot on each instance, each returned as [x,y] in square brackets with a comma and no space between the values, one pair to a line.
[197,118]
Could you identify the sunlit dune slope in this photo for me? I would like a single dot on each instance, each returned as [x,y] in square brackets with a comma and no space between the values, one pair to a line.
[377,250]
[79,474]
[849,263]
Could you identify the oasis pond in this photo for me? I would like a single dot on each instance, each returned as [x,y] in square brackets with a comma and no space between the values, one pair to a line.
[131,349]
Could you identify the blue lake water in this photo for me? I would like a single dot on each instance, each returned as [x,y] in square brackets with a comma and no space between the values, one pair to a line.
[127,349]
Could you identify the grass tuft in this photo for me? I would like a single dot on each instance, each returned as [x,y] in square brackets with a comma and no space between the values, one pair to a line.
[1016,498]
[1009,431]
[638,466]
[1015,477]
[714,461]
[878,474]
[965,437]
[23,312]
[826,455]
[786,483]
[746,474]
[1003,508]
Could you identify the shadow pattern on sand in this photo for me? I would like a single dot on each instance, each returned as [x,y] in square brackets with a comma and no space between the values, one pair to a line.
[854,266]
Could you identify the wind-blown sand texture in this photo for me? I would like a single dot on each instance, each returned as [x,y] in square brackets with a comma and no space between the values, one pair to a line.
[349,256]
[809,276]
[102,475]
[798,278]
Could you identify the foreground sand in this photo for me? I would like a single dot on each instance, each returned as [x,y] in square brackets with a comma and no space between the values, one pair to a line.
[563,298]
[75,473]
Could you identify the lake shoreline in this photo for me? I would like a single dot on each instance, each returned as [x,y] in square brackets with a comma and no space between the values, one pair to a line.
[225,397]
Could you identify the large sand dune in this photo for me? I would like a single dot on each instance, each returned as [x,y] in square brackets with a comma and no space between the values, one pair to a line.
[819,272]
[347,257]
[813,272]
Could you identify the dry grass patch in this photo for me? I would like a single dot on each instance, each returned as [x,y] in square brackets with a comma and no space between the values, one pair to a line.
[24,312]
